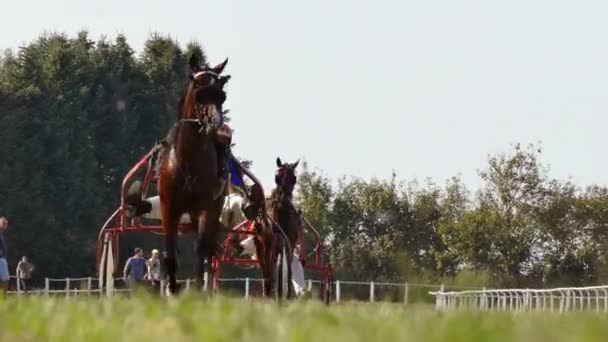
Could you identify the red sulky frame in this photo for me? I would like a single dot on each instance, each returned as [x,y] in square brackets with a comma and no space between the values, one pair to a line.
[118,223]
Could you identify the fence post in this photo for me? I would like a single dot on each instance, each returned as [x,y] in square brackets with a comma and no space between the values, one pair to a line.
[337,291]
[18,285]
[371,291]
[247,288]
[188,284]
[406,294]
[445,302]
[46,287]
[89,286]
[67,287]
[309,285]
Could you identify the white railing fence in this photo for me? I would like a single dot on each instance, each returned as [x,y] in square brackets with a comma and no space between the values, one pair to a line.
[341,290]
[592,298]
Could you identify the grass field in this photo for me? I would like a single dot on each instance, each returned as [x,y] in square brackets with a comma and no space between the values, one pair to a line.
[193,319]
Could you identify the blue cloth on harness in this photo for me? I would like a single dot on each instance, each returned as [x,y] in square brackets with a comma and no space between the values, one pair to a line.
[235,175]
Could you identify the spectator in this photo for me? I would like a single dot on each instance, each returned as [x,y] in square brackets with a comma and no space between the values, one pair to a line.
[154,268]
[135,269]
[24,272]
[4,275]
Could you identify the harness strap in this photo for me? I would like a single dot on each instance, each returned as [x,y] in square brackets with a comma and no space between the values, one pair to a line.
[200,122]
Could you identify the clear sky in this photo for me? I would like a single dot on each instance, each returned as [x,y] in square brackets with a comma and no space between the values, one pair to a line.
[427,88]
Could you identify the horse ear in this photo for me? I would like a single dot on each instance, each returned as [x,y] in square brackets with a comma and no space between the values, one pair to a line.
[225,79]
[294,165]
[279,163]
[194,63]
[220,67]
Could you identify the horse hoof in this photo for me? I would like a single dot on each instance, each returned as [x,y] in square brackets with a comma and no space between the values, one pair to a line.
[172,292]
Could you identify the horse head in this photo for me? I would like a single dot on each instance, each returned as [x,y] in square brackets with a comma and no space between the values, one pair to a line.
[205,96]
[285,177]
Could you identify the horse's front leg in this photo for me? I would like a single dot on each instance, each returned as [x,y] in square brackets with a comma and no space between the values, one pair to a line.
[170,229]
[265,249]
[201,253]
[265,266]
[207,244]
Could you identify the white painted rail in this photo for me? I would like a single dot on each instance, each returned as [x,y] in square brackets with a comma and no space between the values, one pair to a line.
[342,290]
[591,298]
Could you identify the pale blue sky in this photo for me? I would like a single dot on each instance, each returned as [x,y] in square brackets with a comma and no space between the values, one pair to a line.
[427,87]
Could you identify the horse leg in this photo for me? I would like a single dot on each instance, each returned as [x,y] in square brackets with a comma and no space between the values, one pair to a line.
[171,217]
[171,248]
[213,226]
[267,257]
[192,226]
[200,251]
[265,267]
[207,243]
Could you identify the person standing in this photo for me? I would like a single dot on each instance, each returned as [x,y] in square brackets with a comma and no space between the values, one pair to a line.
[24,272]
[4,275]
[135,269]
[154,268]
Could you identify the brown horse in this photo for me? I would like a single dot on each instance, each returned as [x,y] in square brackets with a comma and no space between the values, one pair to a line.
[283,212]
[273,243]
[189,175]
[254,209]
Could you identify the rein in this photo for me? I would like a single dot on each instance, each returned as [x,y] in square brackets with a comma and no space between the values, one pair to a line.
[202,124]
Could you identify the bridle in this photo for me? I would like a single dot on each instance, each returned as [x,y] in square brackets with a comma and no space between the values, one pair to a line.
[214,75]
[282,178]
[205,79]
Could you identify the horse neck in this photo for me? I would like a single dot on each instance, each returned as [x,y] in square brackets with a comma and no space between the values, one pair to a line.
[282,210]
[281,196]
[190,140]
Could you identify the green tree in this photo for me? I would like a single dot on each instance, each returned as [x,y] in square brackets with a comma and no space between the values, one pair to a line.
[75,115]
[455,206]
[498,235]
[314,197]
[367,228]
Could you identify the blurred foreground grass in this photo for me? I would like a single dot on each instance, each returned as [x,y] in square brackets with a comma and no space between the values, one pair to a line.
[189,318]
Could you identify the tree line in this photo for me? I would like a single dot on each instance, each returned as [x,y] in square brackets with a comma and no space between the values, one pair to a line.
[75,114]
[521,228]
